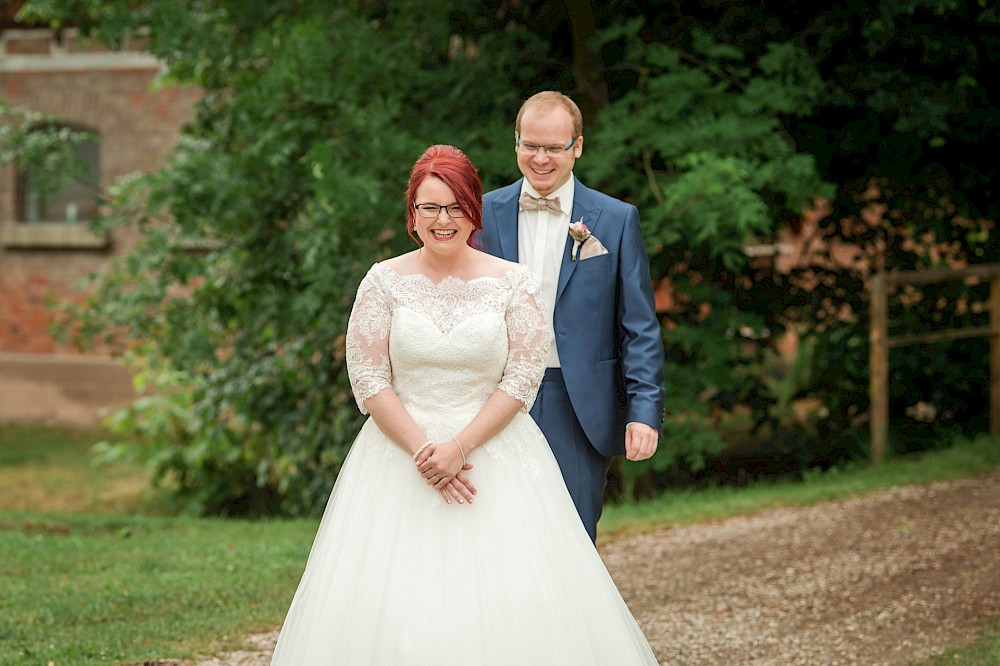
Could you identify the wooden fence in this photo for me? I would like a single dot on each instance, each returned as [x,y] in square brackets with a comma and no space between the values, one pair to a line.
[880,342]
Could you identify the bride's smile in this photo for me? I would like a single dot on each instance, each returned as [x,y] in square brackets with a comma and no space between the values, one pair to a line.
[444,234]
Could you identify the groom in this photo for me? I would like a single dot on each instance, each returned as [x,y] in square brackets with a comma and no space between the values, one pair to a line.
[602,394]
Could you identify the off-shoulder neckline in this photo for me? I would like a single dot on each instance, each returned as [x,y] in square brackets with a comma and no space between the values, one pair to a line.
[515,268]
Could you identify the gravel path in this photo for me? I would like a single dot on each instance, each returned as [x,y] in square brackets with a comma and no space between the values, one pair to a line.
[886,579]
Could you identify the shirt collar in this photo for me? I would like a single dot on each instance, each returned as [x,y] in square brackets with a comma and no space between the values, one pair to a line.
[565,193]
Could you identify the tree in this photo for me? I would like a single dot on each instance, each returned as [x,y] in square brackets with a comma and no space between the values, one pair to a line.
[906,130]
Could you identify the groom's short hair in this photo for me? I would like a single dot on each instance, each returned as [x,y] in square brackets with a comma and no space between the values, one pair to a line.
[549,99]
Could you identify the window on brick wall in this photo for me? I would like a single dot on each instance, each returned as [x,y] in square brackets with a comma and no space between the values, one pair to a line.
[44,197]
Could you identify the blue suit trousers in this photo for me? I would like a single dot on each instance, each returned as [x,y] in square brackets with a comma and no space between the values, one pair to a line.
[584,470]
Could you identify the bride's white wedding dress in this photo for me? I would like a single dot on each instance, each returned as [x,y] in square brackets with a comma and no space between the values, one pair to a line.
[397,576]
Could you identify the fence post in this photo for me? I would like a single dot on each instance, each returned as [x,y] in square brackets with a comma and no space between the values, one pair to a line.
[995,355]
[878,373]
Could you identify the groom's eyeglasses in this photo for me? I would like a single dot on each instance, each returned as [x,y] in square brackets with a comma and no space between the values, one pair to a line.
[431,210]
[527,148]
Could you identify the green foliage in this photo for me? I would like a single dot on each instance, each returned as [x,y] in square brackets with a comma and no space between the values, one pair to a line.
[911,97]
[785,380]
[215,469]
[698,144]
[934,389]
[35,141]
[723,140]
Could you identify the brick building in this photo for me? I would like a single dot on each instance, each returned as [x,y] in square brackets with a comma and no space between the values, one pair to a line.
[45,245]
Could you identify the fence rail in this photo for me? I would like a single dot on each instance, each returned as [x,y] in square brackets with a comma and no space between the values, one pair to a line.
[880,342]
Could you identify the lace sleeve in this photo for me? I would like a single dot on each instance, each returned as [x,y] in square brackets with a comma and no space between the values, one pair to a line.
[368,340]
[528,340]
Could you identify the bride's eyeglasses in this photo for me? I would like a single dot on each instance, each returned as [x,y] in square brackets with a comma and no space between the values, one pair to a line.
[431,210]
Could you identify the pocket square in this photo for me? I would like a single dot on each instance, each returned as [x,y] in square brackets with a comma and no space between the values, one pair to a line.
[592,248]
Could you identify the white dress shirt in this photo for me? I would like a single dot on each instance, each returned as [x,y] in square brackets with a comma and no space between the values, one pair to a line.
[541,241]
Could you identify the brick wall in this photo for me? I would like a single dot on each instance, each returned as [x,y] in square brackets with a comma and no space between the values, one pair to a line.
[81,84]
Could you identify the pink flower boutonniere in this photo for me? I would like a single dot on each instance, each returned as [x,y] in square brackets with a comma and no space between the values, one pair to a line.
[580,234]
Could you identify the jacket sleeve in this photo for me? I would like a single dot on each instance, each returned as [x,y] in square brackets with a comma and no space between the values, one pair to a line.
[641,344]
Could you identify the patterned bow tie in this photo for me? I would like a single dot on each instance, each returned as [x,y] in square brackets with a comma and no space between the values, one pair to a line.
[529,202]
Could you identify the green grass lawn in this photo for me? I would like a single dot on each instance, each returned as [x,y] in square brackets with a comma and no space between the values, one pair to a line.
[81,589]
[50,469]
[91,572]
[89,576]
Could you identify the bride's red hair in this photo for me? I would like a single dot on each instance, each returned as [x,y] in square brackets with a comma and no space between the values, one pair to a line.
[454,169]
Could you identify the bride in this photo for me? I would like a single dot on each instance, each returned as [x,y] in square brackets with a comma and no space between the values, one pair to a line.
[450,534]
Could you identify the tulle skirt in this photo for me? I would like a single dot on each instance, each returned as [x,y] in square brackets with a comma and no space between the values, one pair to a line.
[398,576]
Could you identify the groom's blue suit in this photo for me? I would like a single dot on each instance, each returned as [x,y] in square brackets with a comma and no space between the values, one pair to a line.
[607,336]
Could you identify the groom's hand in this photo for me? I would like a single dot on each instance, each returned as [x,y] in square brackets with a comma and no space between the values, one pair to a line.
[640,441]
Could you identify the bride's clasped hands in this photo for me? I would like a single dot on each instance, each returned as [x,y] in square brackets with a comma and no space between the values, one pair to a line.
[444,466]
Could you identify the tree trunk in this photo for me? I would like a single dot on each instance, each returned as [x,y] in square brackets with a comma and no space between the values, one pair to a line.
[588,67]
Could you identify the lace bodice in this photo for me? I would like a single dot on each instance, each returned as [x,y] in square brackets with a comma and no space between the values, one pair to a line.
[448,345]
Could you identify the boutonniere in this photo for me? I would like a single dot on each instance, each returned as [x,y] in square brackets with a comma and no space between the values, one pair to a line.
[579,232]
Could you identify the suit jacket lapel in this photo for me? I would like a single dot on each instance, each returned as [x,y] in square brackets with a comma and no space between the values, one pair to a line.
[505,213]
[586,209]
